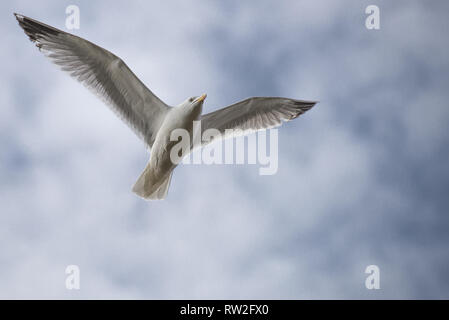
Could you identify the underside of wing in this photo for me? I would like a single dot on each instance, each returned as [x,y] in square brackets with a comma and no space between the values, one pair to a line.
[254,114]
[102,72]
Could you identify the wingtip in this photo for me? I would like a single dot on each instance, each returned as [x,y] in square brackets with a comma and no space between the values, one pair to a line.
[307,103]
[18,16]
[312,103]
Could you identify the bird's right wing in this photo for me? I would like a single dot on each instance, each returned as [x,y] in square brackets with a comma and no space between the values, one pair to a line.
[102,72]
[254,114]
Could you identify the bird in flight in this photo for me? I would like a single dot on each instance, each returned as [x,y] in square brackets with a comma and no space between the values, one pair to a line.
[150,118]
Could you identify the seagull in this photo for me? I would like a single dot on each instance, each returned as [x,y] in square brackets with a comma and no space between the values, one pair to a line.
[148,116]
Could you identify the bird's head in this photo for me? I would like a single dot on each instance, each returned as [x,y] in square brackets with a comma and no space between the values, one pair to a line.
[194,101]
[194,105]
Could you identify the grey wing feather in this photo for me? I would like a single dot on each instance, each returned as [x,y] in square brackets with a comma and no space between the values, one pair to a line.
[254,114]
[102,72]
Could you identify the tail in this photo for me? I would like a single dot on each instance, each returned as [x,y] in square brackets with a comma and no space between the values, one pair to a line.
[150,188]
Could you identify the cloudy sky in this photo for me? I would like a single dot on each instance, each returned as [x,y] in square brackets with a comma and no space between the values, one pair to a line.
[363,177]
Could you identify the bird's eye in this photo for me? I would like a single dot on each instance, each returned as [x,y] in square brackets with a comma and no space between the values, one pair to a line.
[191,99]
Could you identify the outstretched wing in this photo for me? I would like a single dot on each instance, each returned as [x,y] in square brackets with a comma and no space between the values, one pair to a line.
[102,72]
[254,114]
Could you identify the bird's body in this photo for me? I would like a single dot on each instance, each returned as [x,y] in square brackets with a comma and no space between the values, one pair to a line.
[153,183]
[150,118]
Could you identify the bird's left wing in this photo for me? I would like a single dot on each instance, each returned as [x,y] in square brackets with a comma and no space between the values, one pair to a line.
[254,114]
[102,72]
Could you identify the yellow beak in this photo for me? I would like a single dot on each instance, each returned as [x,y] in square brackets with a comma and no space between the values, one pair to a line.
[202,98]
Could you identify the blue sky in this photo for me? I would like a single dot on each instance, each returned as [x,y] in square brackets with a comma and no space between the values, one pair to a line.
[363,177]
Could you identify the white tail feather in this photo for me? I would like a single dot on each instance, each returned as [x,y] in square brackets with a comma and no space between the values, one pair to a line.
[150,188]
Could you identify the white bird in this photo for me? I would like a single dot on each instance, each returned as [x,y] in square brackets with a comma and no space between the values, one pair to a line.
[151,119]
